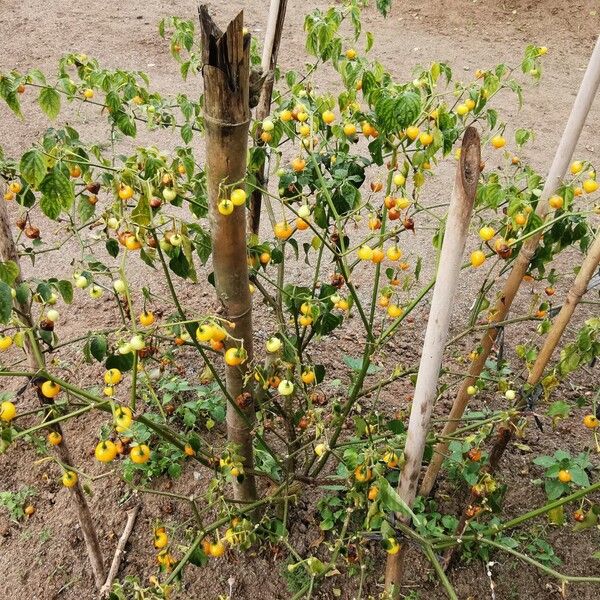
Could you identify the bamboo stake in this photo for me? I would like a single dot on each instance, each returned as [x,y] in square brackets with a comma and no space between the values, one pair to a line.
[227,114]
[120,551]
[459,216]
[562,158]
[269,62]
[505,434]
[35,359]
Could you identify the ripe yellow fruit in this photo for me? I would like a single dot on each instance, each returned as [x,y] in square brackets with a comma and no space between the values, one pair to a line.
[394,311]
[555,202]
[305,321]
[351,54]
[365,253]
[69,479]
[304,130]
[399,179]
[283,230]
[590,186]
[363,474]
[225,207]
[88,93]
[320,449]
[147,318]
[50,389]
[328,117]
[8,411]
[161,539]
[349,129]
[576,167]
[426,139]
[498,142]
[412,132]
[394,253]
[402,203]
[6,342]
[217,550]
[591,421]
[286,115]
[204,333]
[378,256]
[54,438]
[123,418]
[373,493]
[235,356]
[462,110]
[140,454]
[564,476]
[112,377]
[308,376]
[486,233]
[125,192]
[15,187]
[238,197]
[470,103]
[105,451]
[477,258]
[520,219]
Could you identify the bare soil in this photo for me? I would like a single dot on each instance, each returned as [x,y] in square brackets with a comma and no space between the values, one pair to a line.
[44,556]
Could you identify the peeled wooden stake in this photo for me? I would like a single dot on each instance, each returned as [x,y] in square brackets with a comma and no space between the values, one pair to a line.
[457,225]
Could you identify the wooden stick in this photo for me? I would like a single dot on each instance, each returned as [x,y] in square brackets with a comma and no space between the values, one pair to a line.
[459,216]
[8,252]
[269,62]
[227,114]
[562,158]
[120,551]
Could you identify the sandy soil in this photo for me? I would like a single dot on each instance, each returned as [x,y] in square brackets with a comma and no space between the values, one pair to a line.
[44,556]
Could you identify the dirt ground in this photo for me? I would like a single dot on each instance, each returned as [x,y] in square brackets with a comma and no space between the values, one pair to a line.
[43,557]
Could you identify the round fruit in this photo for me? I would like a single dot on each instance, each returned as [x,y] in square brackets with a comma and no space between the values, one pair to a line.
[283,230]
[392,546]
[54,438]
[119,286]
[365,253]
[591,421]
[238,197]
[69,479]
[579,516]
[412,132]
[320,449]
[470,103]
[394,311]
[235,356]
[462,110]
[88,93]
[394,253]
[267,125]
[349,129]
[137,342]
[50,389]
[6,342]
[555,202]
[169,194]
[15,187]
[273,345]
[590,186]
[140,454]
[204,333]
[8,411]
[225,207]
[564,476]
[426,139]
[486,233]
[125,192]
[308,376]
[498,141]
[217,550]
[477,258]
[123,418]
[96,292]
[471,390]
[328,117]
[576,167]
[147,318]
[113,376]
[305,321]
[510,395]
[351,54]
[373,493]
[286,387]
[399,179]
[474,454]
[105,451]
[378,256]
[298,164]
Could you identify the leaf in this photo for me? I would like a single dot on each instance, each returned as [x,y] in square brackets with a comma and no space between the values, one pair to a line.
[408,108]
[49,101]
[112,247]
[5,302]
[391,500]
[579,476]
[187,133]
[179,265]
[33,167]
[9,271]
[98,347]
[57,193]
[356,364]
[66,290]
[125,123]
[50,207]
[142,213]
[123,362]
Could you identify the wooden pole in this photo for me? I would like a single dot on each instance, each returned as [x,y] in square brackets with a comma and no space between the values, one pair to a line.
[227,115]
[8,252]
[562,158]
[269,62]
[457,225]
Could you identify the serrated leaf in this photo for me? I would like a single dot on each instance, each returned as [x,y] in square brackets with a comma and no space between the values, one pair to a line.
[49,101]
[33,167]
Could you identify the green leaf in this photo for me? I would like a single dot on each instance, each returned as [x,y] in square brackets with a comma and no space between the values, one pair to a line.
[125,123]
[33,167]
[391,500]
[356,364]
[50,207]
[98,347]
[408,108]
[123,362]
[49,101]
[9,271]
[187,133]
[179,265]
[57,193]
[112,247]
[66,290]
[142,213]
[6,302]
